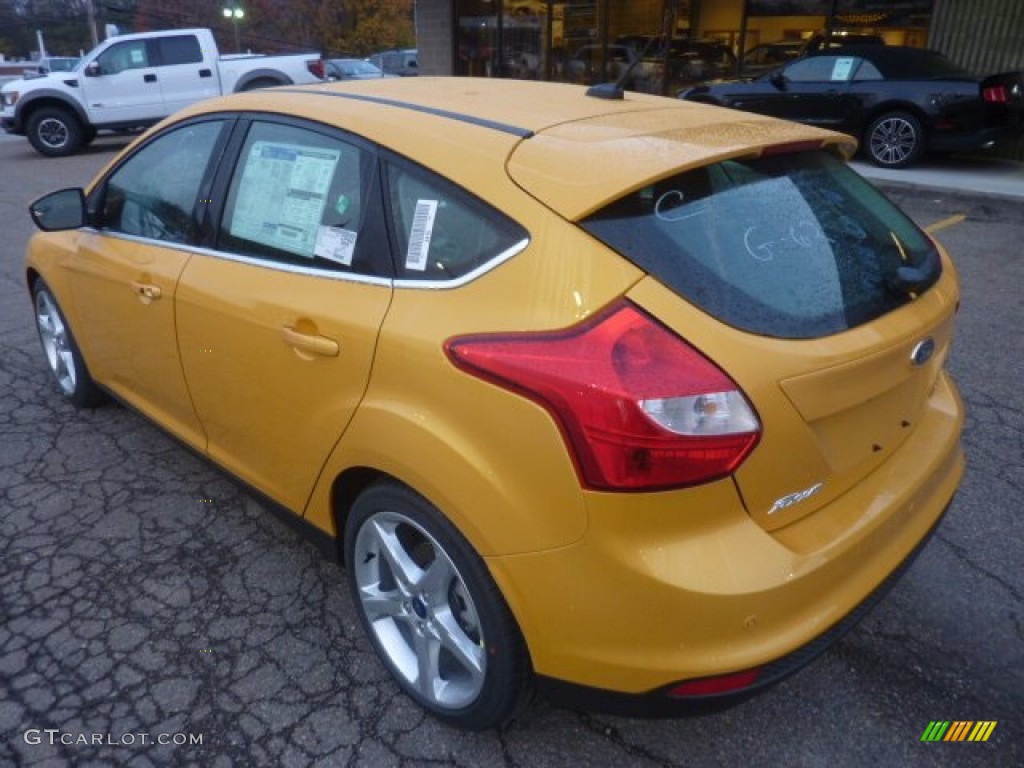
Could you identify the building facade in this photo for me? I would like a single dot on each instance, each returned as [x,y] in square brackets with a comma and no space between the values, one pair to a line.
[593,40]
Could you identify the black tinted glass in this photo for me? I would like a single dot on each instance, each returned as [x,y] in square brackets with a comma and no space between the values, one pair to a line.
[183,49]
[790,245]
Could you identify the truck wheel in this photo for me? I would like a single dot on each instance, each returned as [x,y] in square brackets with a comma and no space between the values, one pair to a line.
[54,132]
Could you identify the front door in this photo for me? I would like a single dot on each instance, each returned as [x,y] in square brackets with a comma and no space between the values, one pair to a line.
[128,271]
[126,88]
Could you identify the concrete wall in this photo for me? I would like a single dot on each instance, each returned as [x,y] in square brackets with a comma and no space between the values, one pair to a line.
[985,36]
[434,37]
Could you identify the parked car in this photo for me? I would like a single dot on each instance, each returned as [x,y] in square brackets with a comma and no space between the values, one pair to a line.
[687,60]
[898,101]
[592,64]
[768,56]
[353,69]
[132,81]
[401,62]
[644,433]
[49,64]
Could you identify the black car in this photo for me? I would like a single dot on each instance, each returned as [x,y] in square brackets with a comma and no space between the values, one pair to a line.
[898,101]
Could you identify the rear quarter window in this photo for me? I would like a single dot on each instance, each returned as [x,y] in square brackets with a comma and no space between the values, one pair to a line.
[790,245]
[442,231]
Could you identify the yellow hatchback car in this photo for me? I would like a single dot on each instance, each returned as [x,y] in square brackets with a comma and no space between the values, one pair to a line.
[632,400]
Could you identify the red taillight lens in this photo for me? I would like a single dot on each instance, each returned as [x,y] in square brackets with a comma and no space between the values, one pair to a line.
[709,686]
[317,67]
[640,408]
[996,93]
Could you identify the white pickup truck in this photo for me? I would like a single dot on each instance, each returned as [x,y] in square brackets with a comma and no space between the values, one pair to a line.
[133,81]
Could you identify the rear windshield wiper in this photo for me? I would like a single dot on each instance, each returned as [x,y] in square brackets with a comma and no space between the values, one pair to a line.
[908,279]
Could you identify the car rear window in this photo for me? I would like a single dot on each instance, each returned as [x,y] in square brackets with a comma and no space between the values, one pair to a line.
[792,245]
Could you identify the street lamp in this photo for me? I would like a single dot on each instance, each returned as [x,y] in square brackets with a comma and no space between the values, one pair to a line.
[235,14]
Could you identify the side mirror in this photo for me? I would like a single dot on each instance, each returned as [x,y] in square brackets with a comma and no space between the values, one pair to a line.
[92,69]
[778,79]
[60,210]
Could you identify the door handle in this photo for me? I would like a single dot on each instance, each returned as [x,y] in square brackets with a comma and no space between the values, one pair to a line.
[306,344]
[147,292]
[205,73]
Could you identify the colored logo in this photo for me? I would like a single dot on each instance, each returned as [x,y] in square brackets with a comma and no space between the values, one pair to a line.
[958,730]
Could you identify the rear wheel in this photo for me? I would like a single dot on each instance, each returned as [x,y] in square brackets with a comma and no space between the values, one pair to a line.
[894,140]
[432,610]
[263,82]
[54,132]
[63,357]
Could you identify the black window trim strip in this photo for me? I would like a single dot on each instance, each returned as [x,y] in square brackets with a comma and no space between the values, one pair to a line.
[523,133]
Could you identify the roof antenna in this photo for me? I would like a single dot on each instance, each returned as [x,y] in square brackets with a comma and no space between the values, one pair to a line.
[617,91]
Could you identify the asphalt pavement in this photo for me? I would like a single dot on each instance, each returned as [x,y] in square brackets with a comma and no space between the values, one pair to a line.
[153,613]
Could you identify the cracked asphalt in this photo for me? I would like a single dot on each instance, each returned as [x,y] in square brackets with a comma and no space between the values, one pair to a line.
[146,598]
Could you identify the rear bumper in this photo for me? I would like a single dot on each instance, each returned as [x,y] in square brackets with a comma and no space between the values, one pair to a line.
[977,140]
[681,586]
[662,703]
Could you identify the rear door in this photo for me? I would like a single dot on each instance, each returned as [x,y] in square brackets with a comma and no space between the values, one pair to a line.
[185,75]
[278,321]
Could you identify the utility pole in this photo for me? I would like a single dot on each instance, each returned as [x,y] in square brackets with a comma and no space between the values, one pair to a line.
[90,13]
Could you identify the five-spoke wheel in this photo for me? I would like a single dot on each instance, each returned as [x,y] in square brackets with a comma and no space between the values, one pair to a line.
[434,614]
[62,354]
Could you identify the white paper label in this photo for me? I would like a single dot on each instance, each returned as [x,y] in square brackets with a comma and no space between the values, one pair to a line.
[419,237]
[336,244]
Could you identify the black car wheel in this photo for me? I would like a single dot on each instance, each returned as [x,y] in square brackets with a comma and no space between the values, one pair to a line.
[54,132]
[434,614]
[62,354]
[894,140]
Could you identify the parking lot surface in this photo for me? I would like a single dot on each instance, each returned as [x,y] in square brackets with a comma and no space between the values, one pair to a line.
[152,612]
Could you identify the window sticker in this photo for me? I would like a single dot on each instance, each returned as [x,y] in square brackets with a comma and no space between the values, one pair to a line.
[419,237]
[841,69]
[336,244]
[136,55]
[282,195]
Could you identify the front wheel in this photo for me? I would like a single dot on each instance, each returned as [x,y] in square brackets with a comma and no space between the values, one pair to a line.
[54,132]
[63,357]
[432,610]
[894,140]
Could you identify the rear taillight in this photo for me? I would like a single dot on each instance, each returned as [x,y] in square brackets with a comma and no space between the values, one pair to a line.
[317,67]
[996,94]
[639,407]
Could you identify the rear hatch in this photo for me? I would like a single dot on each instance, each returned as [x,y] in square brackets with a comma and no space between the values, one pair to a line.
[813,293]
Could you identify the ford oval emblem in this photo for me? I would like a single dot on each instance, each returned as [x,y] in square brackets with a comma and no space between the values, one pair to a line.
[923,352]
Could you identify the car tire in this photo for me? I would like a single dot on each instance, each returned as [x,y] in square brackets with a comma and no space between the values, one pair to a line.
[63,356]
[432,611]
[894,140]
[54,132]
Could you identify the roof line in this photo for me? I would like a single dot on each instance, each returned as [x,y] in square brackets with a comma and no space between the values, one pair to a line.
[523,133]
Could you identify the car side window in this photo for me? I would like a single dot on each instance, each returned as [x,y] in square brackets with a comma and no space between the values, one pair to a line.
[442,232]
[821,69]
[179,49]
[868,71]
[300,197]
[121,56]
[153,193]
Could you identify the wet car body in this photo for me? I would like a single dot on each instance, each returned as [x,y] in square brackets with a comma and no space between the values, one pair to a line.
[647,432]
